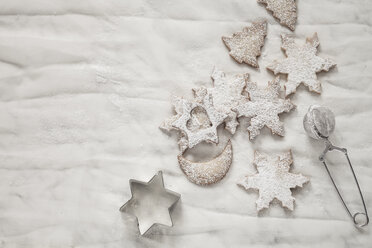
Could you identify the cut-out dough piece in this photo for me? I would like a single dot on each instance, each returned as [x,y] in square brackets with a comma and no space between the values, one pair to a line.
[273,180]
[210,172]
[246,46]
[301,64]
[264,107]
[284,10]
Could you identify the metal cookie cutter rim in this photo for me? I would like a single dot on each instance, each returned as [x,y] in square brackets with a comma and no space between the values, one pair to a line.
[170,208]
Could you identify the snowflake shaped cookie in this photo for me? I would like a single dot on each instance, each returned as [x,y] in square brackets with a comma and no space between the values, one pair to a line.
[273,180]
[284,10]
[246,46]
[301,64]
[264,108]
[227,94]
[196,120]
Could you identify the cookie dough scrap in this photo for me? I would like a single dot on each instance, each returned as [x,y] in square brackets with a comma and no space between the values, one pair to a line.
[301,64]
[246,46]
[264,107]
[284,10]
[273,180]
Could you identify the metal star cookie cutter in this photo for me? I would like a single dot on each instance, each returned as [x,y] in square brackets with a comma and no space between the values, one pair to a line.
[151,203]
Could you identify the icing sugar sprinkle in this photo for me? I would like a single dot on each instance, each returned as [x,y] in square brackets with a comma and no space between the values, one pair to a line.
[201,128]
[246,46]
[227,94]
[301,64]
[273,180]
[264,107]
[206,173]
[284,10]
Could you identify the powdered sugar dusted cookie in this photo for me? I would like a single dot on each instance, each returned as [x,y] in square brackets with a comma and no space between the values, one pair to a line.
[264,108]
[301,64]
[227,94]
[273,180]
[284,10]
[210,172]
[246,46]
[196,120]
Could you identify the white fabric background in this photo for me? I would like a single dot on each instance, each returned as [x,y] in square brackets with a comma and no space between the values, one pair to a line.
[84,86]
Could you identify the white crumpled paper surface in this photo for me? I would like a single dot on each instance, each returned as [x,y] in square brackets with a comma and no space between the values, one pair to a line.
[84,86]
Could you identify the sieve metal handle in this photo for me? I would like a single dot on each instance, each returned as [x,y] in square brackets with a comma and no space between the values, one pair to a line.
[331,147]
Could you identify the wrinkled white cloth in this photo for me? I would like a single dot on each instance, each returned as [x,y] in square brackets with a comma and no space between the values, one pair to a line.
[84,86]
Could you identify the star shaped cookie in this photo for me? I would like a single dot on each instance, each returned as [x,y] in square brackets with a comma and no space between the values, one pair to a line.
[202,115]
[227,94]
[302,64]
[264,107]
[273,180]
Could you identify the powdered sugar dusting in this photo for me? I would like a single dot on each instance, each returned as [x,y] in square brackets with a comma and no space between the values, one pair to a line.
[206,173]
[246,46]
[227,94]
[301,64]
[273,180]
[284,10]
[193,134]
[264,107]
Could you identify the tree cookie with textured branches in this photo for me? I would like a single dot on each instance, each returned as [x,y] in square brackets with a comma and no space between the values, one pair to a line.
[273,180]
[284,10]
[301,64]
[264,107]
[245,46]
